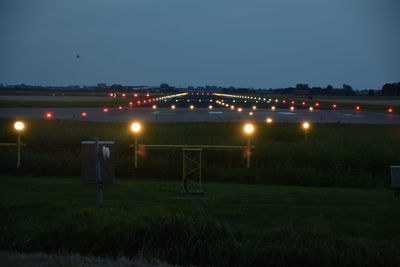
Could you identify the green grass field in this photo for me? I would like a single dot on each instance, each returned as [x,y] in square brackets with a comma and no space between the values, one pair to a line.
[232,224]
[334,155]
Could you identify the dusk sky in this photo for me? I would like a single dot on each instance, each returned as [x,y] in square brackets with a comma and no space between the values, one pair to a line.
[241,43]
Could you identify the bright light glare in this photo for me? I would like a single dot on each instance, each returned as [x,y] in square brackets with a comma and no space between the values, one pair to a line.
[191,107]
[249,128]
[240,109]
[19,125]
[173,107]
[154,106]
[254,107]
[269,120]
[273,108]
[306,125]
[136,127]
[310,108]
[291,108]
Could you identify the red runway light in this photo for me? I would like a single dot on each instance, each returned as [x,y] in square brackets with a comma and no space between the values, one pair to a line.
[334,106]
[124,95]
[105,109]
[83,114]
[138,102]
[148,95]
[119,107]
[130,103]
[390,110]
[135,95]
[283,101]
[111,94]
[303,103]
[358,107]
[49,115]
[317,104]
[292,102]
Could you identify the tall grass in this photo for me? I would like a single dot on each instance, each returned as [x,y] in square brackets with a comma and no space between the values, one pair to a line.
[334,155]
[179,239]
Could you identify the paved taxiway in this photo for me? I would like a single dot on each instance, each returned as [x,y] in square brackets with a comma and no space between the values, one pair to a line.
[217,114]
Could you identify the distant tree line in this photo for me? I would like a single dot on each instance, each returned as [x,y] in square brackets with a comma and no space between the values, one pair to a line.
[391,89]
[299,89]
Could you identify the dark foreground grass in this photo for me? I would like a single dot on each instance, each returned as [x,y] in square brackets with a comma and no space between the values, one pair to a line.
[232,224]
[335,154]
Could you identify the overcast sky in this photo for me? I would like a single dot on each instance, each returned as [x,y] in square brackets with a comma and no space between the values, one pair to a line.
[250,43]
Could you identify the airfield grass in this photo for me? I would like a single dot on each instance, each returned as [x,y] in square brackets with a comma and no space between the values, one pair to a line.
[231,224]
[333,155]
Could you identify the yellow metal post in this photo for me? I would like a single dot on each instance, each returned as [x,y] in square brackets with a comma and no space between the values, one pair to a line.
[248,153]
[136,151]
[19,150]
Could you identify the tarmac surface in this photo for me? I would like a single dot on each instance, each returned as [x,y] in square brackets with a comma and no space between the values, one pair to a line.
[217,114]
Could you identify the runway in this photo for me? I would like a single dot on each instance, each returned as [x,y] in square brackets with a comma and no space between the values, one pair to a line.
[217,114]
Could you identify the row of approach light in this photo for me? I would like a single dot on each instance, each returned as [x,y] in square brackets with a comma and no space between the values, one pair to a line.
[136,127]
[316,104]
[248,128]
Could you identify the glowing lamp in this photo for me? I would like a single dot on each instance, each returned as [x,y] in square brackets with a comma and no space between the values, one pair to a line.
[273,108]
[136,127]
[173,107]
[268,120]
[248,128]
[123,95]
[310,108]
[232,107]
[291,108]
[154,106]
[358,108]
[254,107]
[292,102]
[83,114]
[19,126]
[306,125]
[390,110]
[105,109]
[49,115]
[317,104]
[191,107]
[334,106]
[251,113]
[240,109]
[119,107]
[210,107]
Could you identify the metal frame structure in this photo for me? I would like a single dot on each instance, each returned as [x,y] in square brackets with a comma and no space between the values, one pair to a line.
[19,146]
[192,161]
